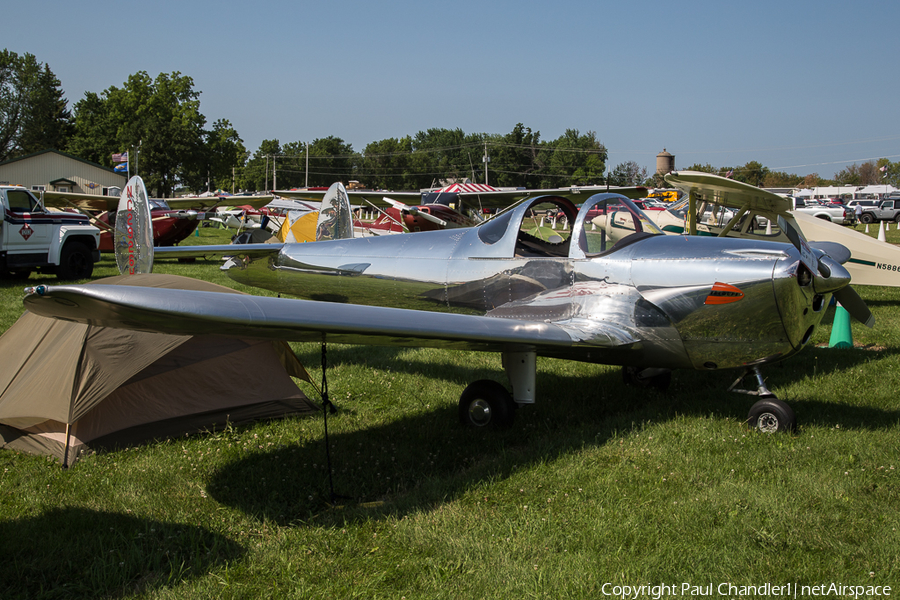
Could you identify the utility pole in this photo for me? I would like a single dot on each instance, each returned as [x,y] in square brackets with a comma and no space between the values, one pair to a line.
[486,160]
[306,185]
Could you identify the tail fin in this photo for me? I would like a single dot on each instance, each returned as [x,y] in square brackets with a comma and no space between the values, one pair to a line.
[134,230]
[335,216]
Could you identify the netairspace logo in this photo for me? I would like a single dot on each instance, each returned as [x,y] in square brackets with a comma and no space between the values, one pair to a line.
[730,590]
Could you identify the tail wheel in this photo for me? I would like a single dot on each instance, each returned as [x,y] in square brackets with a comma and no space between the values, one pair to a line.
[658,379]
[486,403]
[770,415]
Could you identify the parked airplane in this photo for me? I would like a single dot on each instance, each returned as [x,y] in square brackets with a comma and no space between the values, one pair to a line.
[173,219]
[871,262]
[650,303]
[463,197]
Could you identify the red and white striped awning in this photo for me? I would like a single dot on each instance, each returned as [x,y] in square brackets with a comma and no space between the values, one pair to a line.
[467,187]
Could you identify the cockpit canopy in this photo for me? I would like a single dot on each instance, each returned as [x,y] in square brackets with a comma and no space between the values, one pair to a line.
[547,226]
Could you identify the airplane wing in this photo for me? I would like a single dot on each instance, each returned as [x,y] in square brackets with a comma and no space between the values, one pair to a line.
[356,196]
[98,203]
[249,250]
[728,192]
[89,202]
[480,199]
[195,312]
[214,201]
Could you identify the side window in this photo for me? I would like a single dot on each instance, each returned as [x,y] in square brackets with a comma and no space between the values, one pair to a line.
[492,231]
[20,201]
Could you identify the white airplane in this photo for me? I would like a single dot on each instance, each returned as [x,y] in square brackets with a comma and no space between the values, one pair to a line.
[871,262]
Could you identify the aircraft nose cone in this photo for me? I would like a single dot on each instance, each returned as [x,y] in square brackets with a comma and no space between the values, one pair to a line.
[832,276]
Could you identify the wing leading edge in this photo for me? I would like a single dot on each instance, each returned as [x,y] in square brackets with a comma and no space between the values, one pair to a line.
[198,312]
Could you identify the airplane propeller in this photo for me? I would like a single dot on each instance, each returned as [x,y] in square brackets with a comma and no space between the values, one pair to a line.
[846,295]
[415,212]
[855,305]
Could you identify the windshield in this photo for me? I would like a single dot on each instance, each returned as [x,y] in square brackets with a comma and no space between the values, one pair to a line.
[606,219]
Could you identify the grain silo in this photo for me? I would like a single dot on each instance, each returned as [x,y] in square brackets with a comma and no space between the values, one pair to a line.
[665,162]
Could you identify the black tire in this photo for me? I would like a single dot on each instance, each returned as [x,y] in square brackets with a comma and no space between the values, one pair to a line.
[486,403]
[866,218]
[75,262]
[770,415]
[631,376]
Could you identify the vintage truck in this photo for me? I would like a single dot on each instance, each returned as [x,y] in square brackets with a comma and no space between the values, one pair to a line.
[887,210]
[836,214]
[33,237]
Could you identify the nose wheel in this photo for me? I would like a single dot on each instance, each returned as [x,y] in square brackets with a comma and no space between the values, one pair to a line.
[769,414]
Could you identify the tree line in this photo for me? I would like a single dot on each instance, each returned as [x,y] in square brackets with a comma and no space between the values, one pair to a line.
[159,122]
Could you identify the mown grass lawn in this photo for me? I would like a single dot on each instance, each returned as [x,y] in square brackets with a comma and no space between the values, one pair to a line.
[596,484]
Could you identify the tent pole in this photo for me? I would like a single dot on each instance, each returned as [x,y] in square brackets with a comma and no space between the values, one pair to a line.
[66,449]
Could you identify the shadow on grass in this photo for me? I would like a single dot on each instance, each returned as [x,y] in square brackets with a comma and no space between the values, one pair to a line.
[82,553]
[415,462]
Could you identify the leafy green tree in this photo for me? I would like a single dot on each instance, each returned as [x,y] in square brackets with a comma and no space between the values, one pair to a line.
[331,159]
[290,166]
[628,173]
[753,173]
[707,168]
[34,114]
[574,159]
[257,173]
[779,179]
[386,164]
[47,123]
[445,154]
[11,102]
[867,173]
[94,136]
[158,121]
[514,158]
[225,155]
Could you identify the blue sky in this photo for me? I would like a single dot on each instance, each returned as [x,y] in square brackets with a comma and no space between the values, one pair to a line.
[799,86]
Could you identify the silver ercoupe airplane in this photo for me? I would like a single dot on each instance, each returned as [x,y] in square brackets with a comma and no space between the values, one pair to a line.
[648,302]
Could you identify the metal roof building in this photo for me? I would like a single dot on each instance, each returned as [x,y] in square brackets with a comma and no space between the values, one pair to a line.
[56,171]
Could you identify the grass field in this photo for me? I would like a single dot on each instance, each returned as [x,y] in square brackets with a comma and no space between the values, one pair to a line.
[597,485]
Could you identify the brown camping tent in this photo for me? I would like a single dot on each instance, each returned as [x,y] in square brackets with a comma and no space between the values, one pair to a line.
[66,386]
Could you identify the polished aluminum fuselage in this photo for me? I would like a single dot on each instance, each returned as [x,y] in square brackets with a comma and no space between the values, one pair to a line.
[651,295]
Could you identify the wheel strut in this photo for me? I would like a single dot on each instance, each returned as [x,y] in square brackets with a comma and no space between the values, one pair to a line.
[761,389]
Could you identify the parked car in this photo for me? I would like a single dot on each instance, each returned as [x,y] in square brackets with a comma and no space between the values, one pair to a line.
[887,210]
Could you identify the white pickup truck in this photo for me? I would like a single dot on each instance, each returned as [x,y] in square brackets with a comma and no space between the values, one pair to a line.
[836,214]
[34,238]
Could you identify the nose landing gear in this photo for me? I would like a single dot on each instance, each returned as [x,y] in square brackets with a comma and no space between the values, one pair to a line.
[769,414]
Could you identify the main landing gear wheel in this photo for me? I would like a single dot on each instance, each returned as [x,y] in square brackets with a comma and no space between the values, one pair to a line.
[770,415]
[486,403]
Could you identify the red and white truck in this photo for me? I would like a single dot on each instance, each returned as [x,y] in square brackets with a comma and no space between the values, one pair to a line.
[32,238]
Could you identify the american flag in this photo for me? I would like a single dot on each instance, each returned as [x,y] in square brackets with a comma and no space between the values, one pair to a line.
[120,158]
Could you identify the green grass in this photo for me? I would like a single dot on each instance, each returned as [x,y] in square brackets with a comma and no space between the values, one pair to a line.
[596,483]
